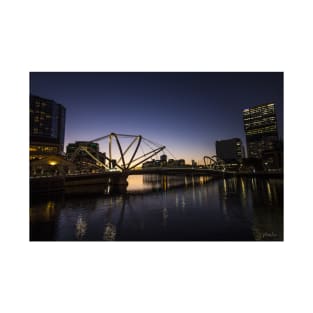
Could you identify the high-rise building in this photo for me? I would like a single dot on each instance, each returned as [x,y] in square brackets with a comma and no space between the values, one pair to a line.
[47,126]
[260,124]
[229,150]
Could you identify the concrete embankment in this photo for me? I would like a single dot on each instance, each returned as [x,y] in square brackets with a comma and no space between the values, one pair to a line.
[46,184]
[78,184]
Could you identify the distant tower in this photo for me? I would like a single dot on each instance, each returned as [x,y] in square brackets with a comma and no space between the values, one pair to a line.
[229,150]
[260,124]
[47,127]
[163,159]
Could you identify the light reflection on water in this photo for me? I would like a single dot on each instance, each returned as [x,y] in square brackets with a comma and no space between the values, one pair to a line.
[166,208]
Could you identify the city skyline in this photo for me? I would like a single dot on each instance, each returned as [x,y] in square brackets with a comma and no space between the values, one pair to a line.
[186,112]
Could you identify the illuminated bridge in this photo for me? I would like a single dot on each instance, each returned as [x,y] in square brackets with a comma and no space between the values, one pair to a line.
[126,153]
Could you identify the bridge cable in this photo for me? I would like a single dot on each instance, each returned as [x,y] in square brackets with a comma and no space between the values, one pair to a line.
[170,153]
[153,143]
[152,148]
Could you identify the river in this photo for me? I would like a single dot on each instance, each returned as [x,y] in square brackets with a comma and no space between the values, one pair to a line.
[165,208]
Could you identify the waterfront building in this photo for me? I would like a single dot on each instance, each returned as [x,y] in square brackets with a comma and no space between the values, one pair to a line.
[158,163]
[163,159]
[260,125]
[77,153]
[274,158]
[176,163]
[93,147]
[47,127]
[148,164]
[229,150]
[52,165]
[171,162]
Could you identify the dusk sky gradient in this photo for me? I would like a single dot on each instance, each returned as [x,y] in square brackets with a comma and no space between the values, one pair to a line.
[186,112]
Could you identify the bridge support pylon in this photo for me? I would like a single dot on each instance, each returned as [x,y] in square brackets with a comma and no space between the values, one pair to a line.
[118,183]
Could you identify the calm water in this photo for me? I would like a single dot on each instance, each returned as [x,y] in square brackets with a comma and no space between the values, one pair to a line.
[166,208]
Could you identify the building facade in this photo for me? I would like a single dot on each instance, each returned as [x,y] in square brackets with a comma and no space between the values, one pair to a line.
[93,147]
[229,150]
[47,127]
[76,152]
[163,159]
[260,125]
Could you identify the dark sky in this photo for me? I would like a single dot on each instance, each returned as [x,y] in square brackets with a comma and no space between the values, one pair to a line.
[187,112]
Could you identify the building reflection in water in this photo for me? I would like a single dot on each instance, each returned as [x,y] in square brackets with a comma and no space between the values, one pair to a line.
[193,192]
[234,200]
[81,228]
[243,189]
[42,218]
[268,210]
[254,184]
[257,203]
[191,209]
[109,232]
[46,213]
[164,183]
[164,202]
[225,186]
[200,196]
[269,192]
[165,216]
[183,202]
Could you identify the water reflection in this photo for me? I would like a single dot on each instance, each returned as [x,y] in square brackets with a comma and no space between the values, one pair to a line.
[165,216]
[81,227]
[269,192]
[167,208]
[109,232]
[268,210]
[243,188]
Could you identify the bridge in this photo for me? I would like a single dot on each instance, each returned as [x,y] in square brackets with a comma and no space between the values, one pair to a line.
[123,151]
[125,155]
[179,171]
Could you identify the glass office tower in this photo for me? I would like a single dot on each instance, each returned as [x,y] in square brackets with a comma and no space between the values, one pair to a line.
[47,127]
[260,124]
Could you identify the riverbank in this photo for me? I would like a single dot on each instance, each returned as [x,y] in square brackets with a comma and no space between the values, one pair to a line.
[116,181]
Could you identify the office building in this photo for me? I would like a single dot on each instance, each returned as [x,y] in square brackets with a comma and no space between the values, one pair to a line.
[260,125]
[274,158]
[81,156]
[229,150]
[92,147]
[47,127]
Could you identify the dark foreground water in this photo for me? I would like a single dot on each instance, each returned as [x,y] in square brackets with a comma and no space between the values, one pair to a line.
[166,208]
